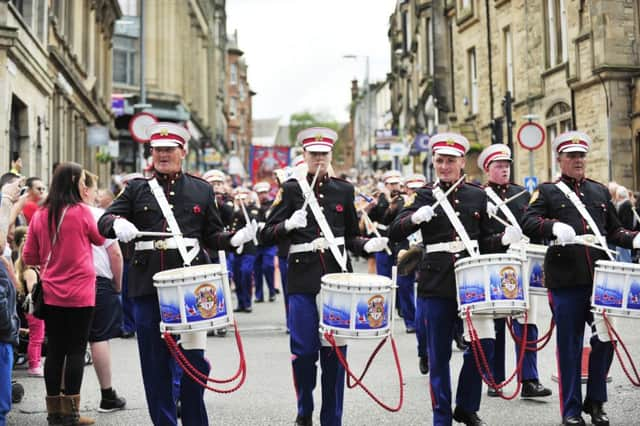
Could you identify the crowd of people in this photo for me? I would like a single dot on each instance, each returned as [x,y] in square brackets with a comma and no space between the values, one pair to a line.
[88,251]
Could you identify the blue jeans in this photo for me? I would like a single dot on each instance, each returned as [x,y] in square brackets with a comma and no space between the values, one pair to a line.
[6,365]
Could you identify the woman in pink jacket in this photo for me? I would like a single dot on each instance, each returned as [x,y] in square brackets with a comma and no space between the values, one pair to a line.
[59,241]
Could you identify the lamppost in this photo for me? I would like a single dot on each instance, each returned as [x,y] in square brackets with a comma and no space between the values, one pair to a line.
[366,91]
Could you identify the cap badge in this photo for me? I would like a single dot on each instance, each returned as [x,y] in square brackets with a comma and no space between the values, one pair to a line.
[164,132]
[575,140]
[318,137]
[450,142]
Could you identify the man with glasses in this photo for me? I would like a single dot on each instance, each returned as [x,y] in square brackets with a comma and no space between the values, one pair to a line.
[35,194]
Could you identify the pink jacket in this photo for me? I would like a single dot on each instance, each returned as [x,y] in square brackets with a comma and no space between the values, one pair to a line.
[70,278]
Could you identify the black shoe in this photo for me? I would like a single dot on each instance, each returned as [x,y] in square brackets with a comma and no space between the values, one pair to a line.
[178,409]
[259,300]
[248,310]
[272,298]
[461,344]
[221,332]
[573,421]
[238,309]
[423,364]
[470,419]
[17,392]
[112,403]
[411,330]
[277,290]
[533,389]
[595,410]
[494,393]
[128,334]
[304,421]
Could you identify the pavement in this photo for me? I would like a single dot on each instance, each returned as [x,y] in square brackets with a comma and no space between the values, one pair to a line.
[268,398]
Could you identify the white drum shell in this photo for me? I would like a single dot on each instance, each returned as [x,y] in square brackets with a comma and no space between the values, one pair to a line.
[355,305]
[616,289]
[490,284]
[194,298]
[533,267]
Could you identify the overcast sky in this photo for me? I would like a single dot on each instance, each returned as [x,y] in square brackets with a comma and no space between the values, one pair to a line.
[294,50]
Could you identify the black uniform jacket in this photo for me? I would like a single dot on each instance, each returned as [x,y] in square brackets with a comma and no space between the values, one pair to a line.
[384,213]
[517,206]
[224,204]
[194,209]
[436,277]
[238,222]
[336,199]
[572,265]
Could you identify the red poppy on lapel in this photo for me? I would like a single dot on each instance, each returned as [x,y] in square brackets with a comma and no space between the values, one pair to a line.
[197,209]
[339,208]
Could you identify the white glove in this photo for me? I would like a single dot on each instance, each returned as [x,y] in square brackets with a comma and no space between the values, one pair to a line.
[492,210]
[376,244]
[297,220]
[245,234]
[511,235]
[636,241]
[423,214]
[125,230]
[564,233]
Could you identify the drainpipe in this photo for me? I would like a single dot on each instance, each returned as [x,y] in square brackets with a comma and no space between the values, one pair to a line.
[487,8]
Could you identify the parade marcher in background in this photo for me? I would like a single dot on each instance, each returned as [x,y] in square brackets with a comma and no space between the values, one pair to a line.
[436,279]
[569,269]
[137,209]
[627,217]
[244,260]
[307,264]
[495,161]
[107,316]
[105,198]
[265,255]
[59,241]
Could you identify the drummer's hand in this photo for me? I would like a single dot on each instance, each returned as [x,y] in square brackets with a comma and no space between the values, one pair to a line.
[125,230]
[636,241]
[492,210]
[376,244]
[564,233]
[511,235]
[244,235]
[423,214]
[297,220]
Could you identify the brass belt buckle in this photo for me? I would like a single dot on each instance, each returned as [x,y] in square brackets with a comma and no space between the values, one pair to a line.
[160,244]
[457,246]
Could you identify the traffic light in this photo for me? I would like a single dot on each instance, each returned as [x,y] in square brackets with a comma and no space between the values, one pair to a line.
[496,131]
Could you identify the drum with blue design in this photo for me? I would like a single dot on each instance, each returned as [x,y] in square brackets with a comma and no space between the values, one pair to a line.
[355,305]
[491,284]
[616,289]
[194,298]
[532,256]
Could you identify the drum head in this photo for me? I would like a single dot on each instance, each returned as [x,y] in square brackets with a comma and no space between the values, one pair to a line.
[357,280]
[189,272]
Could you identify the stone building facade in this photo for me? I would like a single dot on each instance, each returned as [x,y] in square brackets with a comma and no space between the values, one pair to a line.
[55,83]
[566,64]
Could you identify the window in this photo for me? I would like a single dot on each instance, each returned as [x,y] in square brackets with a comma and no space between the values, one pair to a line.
[241,92]
[558,121]
[556,32]
[406,31]
[233,73]
[233,107]
[465,5]
[429,44]
[125,56]
[509,82]
[234,142]
[473,81]
[129,7]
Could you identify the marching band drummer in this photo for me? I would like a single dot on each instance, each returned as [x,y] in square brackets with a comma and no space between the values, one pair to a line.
[495,161]
[265,255]
[436,279]
[573,207]
[188,202]
[318,243]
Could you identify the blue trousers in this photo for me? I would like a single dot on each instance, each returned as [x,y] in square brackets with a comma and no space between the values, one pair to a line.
[128,324]
[305,346]
[284,272]
[407,300]
[440,315]
[264,265]
[421,328]
[572,310]
[6,367]
[242,276]
[158,370]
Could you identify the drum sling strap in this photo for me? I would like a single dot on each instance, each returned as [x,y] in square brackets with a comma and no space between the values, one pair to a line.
[506,211]
[310,196]
[158,193]
[455,221]
[577,202]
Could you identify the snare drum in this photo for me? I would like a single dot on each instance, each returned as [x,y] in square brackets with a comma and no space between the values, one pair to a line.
[491,284]
[194,298]
[616,289]
[533,267]
[356,305]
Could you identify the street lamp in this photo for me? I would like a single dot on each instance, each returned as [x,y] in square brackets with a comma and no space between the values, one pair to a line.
[366,92]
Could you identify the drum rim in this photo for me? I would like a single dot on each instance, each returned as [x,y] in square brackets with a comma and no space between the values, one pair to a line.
[484,259]
[160,276]
[615,266]
[381,285]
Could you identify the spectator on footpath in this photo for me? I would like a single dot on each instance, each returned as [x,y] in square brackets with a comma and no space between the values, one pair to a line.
[16,164]
[107,317]
[34,196]
[105,198]
[59,241]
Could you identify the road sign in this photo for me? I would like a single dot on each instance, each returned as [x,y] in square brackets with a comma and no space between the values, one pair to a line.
[138,126]
[531,136]
[531,183]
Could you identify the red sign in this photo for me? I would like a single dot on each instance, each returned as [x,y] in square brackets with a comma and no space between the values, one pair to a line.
[263,160]
[531,136]
[139,124]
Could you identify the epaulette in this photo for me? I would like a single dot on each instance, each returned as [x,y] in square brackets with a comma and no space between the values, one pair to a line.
[595,181]
[517,186]
[477,185]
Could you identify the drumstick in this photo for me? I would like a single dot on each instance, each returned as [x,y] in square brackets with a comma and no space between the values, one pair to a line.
[375,230]
[313,184]
[513,197]
[155,234]
[505,223]
[446,194]
[246,219]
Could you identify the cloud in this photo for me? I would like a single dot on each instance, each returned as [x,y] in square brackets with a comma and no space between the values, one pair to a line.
[295,48]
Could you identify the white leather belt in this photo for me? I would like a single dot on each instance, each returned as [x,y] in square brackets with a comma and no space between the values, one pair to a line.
[584,238]
[449,247]
[382,227]
[166,244]
[319,244]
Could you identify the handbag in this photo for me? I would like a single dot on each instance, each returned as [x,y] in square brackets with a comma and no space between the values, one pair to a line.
[34,302]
